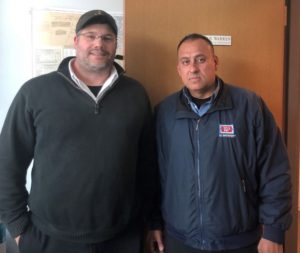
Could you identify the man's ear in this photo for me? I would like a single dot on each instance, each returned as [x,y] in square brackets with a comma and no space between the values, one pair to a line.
[75,40]
[216,60]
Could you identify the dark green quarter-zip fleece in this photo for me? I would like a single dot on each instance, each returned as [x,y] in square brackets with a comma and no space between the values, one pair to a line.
[87,157]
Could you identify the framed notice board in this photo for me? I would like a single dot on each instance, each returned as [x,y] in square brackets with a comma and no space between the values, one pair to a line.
[53,33]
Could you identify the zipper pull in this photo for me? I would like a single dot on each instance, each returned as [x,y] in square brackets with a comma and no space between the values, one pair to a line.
[197,124]
[96,109]
[244,185]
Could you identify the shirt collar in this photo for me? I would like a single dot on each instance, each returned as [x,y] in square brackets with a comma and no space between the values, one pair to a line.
[204,107]
[105,86]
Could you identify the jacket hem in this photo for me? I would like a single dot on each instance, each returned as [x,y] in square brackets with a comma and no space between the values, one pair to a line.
[231,242]
[91,236]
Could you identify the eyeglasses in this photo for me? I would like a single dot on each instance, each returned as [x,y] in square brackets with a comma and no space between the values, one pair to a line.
[91,37]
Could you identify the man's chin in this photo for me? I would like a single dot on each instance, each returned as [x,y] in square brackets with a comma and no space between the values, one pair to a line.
[195,85]
[100,67]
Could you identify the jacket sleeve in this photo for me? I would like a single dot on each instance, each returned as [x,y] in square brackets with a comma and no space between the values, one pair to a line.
[16,152]
[274,177]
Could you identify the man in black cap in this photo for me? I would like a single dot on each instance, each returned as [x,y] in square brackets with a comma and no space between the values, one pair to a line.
[87,128]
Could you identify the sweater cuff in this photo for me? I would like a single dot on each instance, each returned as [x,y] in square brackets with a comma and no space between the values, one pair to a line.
[273,234]
[155,226]
[155,223]
[18,226]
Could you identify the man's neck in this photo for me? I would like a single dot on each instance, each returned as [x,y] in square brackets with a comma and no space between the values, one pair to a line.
[202,94]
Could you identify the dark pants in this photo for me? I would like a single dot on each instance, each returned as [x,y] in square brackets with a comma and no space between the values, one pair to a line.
[172,245]
[34,241]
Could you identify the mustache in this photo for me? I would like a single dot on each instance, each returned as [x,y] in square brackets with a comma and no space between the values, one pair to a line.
[195,75]
[99,52]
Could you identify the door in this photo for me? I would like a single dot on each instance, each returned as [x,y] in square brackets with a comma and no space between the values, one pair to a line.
[254,60]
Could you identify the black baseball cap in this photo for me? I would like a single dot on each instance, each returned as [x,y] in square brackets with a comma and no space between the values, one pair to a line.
[96,17]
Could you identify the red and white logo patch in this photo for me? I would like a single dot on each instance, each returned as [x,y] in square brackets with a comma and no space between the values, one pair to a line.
[226,130]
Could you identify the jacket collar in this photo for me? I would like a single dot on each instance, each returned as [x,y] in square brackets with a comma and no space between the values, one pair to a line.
[222,101]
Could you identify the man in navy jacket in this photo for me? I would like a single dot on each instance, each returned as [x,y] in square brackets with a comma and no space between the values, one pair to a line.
[224,170]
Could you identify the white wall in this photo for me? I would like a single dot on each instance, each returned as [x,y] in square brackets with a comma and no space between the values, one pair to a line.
[16,43]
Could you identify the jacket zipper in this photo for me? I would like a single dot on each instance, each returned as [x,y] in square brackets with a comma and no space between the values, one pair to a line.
[199,183]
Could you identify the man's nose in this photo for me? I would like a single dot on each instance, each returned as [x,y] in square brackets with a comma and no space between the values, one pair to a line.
[194,66]
[98,41]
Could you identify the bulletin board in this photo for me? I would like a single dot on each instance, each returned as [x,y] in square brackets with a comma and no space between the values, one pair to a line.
[53,34]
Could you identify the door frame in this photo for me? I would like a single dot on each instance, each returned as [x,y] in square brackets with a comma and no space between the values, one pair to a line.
[293,115]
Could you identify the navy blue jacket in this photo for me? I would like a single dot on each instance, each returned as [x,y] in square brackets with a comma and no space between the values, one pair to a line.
[224,174]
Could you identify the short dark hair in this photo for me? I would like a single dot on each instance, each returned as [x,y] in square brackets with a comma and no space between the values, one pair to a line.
[195,36]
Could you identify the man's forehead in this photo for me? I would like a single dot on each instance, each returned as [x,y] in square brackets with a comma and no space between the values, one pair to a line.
[191,45]
[195,51]
[192,55]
